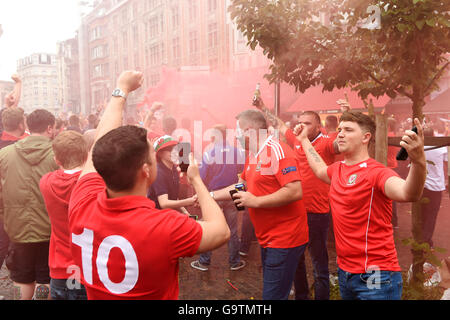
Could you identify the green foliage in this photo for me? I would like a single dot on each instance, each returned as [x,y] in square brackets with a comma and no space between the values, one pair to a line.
[428,252]
[405,56]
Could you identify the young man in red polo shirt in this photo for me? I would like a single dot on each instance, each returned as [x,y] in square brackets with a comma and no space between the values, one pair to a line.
[126,248]
[274,201]
[71,151]
[361,195]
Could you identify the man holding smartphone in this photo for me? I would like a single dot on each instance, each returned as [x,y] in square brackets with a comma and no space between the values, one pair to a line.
[165,191]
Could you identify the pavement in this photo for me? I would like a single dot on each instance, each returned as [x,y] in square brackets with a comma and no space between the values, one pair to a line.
[246,284]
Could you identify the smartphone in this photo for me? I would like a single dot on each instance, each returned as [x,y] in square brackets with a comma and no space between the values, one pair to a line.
[185,150]
[193,217]
[402,155]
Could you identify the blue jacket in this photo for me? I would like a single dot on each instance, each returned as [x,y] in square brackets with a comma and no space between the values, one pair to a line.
[221,165]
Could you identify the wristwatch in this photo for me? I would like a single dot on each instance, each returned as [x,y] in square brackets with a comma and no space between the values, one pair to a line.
[119,93]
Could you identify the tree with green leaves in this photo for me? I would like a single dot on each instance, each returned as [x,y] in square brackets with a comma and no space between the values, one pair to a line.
[394,48]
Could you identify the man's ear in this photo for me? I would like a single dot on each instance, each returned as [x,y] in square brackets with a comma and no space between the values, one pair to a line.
[146,170]
[367,137]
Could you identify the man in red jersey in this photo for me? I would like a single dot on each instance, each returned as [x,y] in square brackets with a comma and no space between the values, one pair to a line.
[361,195]
[274,203]
[315,197]
[126,248]
[71,152]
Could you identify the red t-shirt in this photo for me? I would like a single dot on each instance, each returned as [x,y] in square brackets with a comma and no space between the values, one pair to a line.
[125,247]
[56,188]
[362,217]
[272,168]
[315,191]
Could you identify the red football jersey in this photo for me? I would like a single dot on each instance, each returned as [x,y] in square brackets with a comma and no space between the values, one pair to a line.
[56,188]
[125,247]
[265,173]
[315,192]
[362,217]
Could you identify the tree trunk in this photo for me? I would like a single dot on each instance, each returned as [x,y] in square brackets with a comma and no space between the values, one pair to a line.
[381,140]
[416,216]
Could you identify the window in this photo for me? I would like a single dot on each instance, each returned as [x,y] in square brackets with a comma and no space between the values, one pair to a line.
[212,35]
[193,42]
[212,5]
[135,34]
[176,49]
[154,55]
[175,17]
[153,27]
[137,63]
[192,9]
[125,40]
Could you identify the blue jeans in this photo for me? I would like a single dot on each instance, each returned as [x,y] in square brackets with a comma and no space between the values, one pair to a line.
[318,224]
[231,215]
[247,232]
[60,291]
[279,267]
[378,285]
[4,243]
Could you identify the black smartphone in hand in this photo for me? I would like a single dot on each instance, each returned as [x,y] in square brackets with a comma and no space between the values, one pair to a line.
[402,155]
[183,155]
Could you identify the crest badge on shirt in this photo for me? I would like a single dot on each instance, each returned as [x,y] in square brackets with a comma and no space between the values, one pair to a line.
[352,179]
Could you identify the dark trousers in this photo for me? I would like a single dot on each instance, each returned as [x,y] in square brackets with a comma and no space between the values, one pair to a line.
[230,212]
[247,232]
[430,209]
[4,243]
[279,266]
[318,225]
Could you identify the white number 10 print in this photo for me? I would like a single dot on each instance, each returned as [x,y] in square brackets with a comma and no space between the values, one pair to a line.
[86,242]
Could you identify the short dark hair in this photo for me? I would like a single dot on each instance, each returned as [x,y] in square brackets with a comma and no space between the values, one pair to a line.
[12,118]
[331,120]
[254,116]
[39,120]
[74,120]
[169,125]
[428,132]
[119,154]
[364,121]
[314,114]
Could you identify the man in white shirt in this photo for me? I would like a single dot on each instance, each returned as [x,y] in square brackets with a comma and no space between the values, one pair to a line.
[434,187]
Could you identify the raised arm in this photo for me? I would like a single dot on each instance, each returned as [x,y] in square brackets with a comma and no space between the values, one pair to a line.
[411,189]
[272,117]
[128,81]
[215,230]
[315,161]
[12,99]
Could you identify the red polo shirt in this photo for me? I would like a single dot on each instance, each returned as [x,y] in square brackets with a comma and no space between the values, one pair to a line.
[362,216]
[56,188]
[272,168]
[125,247]
[315,192]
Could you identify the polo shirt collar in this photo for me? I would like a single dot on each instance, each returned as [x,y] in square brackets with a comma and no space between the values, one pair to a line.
[125,203]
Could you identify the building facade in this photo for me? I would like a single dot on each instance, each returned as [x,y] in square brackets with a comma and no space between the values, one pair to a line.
[148,35]
[40,83]
[68,66]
